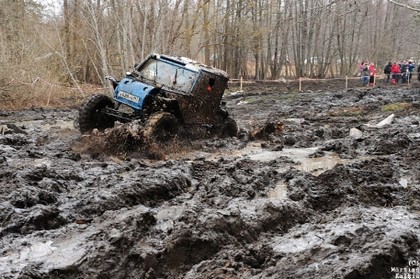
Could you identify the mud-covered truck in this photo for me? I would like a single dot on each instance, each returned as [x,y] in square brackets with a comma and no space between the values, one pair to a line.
[165,93]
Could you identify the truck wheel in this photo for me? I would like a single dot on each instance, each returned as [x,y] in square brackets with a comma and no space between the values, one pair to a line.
[161,126]
[230,128]
[91,116]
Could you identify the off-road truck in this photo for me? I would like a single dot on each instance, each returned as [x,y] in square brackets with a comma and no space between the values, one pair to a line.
[164,93]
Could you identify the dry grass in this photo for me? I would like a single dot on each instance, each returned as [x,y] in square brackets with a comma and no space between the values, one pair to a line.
[17,95]
[396,107]
[348,111]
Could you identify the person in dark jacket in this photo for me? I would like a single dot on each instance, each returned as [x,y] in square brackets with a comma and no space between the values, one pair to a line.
[411,67]
[418,73]
[365,75]
[404,71]
[387,71]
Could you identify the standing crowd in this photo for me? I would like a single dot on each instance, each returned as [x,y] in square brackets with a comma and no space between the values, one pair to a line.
[400,72]
[368,74]
[395,72]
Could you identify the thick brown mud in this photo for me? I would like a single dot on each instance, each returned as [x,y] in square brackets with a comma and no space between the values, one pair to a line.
[320,184]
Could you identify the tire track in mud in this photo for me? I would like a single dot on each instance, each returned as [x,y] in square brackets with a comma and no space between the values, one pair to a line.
[209,213]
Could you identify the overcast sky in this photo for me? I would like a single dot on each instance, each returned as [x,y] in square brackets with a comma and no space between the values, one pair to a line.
[52,6]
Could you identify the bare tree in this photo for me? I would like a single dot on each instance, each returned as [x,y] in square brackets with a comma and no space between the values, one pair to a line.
[12,13]
[404,5]
[261,39]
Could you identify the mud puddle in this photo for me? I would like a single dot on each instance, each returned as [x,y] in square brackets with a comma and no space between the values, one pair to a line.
[302,158]
[51,125]
[279,191]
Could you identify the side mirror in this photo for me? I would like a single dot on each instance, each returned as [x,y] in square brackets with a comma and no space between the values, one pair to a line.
[113,81]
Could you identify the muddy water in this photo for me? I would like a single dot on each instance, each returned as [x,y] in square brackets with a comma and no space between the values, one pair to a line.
[309,201]
[300,156]
[279,191]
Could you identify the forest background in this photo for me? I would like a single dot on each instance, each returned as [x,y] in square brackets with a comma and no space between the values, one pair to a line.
[66,48]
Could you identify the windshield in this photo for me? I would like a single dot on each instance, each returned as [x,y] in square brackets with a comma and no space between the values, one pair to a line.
[169,75]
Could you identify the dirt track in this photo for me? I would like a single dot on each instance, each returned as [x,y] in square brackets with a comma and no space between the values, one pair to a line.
[333,192]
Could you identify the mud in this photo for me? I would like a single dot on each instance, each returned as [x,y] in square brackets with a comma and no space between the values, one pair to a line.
[313,186]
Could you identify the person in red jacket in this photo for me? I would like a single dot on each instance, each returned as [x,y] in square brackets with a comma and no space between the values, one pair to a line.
[372,71]
[395,73]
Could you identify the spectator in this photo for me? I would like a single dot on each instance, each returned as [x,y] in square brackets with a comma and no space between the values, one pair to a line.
[395,73]
[411,68]
[404,71]
[372,71]
[418,73]
[364,75]
[387,71]
[361,67]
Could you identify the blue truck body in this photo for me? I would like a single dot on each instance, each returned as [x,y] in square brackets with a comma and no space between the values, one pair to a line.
[132,93]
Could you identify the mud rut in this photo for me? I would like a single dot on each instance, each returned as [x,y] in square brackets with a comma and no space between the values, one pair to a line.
[303,200]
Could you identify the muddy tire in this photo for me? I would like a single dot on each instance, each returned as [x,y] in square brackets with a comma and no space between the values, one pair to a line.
[91,116]
[161,126]
[227,126]
[230,128]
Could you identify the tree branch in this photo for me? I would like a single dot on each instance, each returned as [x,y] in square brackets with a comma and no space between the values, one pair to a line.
[404,6]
